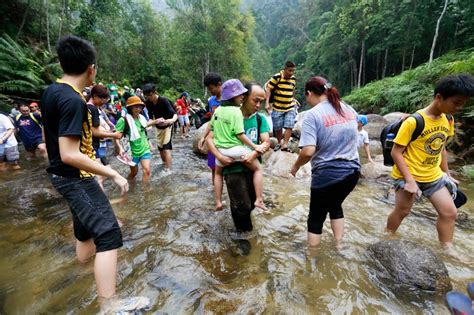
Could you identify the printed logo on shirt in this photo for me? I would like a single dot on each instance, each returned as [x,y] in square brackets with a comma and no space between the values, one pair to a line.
[252,134]
[24,123]
[435,143]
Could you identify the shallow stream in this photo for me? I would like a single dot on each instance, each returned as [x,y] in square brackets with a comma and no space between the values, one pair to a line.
[182,255]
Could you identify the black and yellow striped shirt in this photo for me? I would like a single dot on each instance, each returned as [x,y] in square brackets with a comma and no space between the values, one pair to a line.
[283,91]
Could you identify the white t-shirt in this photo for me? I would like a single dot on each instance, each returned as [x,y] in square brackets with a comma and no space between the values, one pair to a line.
[362,138]
[5,124]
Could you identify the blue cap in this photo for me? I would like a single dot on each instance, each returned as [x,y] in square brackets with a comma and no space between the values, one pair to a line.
[362,119]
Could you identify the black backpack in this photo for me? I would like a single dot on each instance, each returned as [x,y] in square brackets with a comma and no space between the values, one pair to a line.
[394,128]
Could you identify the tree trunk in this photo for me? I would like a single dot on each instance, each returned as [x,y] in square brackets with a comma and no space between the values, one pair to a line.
[403,59]
[23,20]
[377,66]
[412,56]
[41,22]
[47,25]
[384,71]
[361,63]
[436,32]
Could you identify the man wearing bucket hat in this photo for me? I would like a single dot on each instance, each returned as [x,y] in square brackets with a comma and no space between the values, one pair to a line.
[133,125]
[363,136]
[227,125]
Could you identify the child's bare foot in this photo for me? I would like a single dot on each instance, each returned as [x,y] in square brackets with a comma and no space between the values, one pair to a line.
[259,204]
[219,207]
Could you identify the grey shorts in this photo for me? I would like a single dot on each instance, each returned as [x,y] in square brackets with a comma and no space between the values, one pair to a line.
[10,155]
[428,189]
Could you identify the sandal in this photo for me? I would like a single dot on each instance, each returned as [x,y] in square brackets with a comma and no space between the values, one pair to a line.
[277,147]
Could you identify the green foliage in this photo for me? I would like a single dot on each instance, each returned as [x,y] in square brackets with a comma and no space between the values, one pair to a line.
[412,89]
[22,70]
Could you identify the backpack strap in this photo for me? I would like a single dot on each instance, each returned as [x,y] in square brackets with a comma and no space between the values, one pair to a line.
[259,125]
[32,116]
[420,125]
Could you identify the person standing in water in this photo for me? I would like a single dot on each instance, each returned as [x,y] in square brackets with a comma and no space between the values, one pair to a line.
[72,165]
[329,140]
[421,166]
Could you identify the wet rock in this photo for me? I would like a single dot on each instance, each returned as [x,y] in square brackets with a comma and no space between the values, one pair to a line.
[375,170]
[408,267]
[375,125]
[198,135]
[280,163]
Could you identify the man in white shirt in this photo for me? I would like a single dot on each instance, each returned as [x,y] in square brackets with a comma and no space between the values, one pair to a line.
[8,145]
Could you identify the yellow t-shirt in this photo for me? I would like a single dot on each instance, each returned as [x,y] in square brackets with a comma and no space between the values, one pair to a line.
[423,155]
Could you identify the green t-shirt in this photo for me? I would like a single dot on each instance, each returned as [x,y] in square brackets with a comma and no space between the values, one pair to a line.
[226,123]
[139,146]
[250,127]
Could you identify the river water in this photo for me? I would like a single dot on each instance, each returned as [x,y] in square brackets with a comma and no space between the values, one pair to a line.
[183,256]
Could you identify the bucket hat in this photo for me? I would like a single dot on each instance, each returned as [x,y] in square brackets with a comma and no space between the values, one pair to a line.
[134,100]
[232,88]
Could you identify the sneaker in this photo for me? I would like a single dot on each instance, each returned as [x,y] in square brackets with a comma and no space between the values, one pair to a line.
[125,306]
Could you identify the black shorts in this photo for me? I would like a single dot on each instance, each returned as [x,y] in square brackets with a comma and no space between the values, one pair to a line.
[329,199]
[33,146]
[92,214]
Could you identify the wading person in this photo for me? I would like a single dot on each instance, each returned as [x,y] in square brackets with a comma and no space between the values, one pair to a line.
[30,129]
[421,165]
[280,101]
[230,139]
[239,178]
[133,125]
[72,165]
[9,154]
[183,118]
[99,96]
[161,109]
[213,83]
[329,140]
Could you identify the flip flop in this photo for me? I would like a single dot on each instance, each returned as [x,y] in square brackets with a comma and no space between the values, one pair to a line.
[277,147]
[126,161]
[458,303]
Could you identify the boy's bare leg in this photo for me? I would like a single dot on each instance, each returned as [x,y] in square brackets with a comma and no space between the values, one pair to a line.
[105,272]
[218,184]
[447,212]
[403,203]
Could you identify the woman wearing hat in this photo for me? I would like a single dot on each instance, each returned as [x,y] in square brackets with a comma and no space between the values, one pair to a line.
[363,136]
[227,125]
[133,126]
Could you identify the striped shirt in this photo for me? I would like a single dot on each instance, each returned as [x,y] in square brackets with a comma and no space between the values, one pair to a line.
[283,91]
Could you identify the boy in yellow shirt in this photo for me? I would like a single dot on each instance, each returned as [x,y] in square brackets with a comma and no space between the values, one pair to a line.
[421,165]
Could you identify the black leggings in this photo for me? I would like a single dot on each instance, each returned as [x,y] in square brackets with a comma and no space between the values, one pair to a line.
[329,199]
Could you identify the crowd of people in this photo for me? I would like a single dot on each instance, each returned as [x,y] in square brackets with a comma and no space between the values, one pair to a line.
[79,119]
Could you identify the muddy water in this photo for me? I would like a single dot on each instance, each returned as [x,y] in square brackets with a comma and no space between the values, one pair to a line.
[184,258]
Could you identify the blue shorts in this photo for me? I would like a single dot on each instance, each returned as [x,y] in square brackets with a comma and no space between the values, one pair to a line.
[146,156]
[283,119]
[211,160]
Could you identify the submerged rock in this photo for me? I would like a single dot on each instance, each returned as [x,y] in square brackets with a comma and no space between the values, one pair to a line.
[408,267]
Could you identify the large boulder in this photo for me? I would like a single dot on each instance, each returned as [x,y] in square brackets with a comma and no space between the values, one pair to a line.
[405,266]
[375,125]
[198,135]
[279,163]
[393,117]
[299,122]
